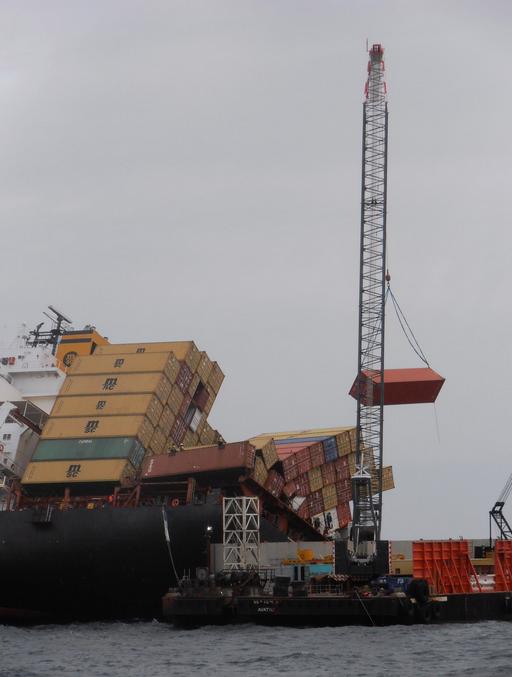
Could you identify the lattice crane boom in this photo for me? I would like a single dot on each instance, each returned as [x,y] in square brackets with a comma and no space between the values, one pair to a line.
[367,482]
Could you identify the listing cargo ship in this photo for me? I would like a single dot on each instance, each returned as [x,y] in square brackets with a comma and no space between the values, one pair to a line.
[113,479]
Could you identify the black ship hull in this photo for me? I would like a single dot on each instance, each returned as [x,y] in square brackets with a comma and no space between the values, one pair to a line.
[102,563]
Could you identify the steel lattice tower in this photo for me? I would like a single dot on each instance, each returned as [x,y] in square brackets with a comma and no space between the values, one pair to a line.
[367,482]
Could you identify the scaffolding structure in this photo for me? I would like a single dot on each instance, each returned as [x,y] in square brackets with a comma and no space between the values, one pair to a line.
[369,460]
[241,533]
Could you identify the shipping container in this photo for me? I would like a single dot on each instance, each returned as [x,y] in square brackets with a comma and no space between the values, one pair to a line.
[207,435]
[179,348]
[175,399]
[290,468]
[185,404]
[158,442]
[269,454]
[184,378]
[100,426]
[91,449]
[66,472]
[116,384]
[201,396]
[215,378]
[166,420]
[330,449]
[388,481]
[329,473]
[210,400]
[315,502]
[344,514]
[239,456]
[109,405]
[204,367]
[302,484]
[124,364]
[303,460]
[343,443]
[330,496]
[274,483]
[289,489]
[260,472]
[179,430]
[316,451]
[303,510]
[315,479]
[401,386]
[194,383]
[190,439]
[196,419]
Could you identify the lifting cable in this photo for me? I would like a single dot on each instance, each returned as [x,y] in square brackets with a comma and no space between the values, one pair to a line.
[401,318]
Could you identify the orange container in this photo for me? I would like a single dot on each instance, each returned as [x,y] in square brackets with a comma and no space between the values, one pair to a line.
[401,386]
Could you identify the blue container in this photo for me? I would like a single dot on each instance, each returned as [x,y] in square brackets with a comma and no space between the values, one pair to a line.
[331,454]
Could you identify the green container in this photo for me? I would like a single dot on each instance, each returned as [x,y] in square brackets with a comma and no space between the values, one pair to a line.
[91,449]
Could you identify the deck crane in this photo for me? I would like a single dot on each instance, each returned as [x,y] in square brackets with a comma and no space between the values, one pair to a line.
[367,481]
[497,512]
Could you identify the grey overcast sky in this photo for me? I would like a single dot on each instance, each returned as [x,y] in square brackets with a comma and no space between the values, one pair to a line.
[186,169]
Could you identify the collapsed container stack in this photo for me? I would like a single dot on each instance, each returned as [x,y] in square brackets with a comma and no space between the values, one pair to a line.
[316,467]
[122,403]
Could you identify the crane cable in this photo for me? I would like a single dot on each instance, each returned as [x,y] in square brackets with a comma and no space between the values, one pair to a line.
[402,320]
[401,316]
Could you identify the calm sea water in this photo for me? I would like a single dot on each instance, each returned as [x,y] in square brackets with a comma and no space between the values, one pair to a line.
[158,650]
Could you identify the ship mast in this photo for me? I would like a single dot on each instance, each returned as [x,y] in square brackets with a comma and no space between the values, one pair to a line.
[367,494]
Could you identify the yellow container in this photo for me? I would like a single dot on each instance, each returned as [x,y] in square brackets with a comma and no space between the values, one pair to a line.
[204,367]
[122,364]
[111,384]
[211,399]
[98,426]
[316,481]
[166,421]
[109,405]
[183,350]
[388,481]
[343,443]
[260,473]
[269,453]
[175,399]
[158,442]
[207,437]
[215,378]
[193,385]
[44,472]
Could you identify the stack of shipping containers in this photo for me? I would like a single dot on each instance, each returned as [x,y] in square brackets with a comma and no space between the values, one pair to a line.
[122,403]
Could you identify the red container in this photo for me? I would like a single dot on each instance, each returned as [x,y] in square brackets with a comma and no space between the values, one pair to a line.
[343,473]
[201,398]
[401,386]
[289,489]
[302,484]
[285,450]
[315,503]
[274,483]
[316,451]
[303,511]
[329,473]
[184,406]
[304,460]
[179,430]
[344,514]
[344,490]
[290,468]
[184,378]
